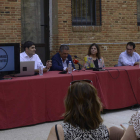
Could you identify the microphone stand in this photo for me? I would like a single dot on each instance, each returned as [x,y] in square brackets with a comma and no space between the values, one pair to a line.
[79,66]
[78,63]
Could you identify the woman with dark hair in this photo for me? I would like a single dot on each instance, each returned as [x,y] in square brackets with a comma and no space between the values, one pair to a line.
[82,119]
[94,59]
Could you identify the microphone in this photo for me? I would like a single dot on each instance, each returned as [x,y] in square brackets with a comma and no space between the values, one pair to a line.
[75,61]
[75,56]
[78,57]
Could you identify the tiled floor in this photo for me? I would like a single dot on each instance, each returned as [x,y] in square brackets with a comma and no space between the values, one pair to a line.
[41,131]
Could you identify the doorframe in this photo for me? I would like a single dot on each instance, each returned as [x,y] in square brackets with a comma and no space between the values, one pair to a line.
[50,24]
[47,30]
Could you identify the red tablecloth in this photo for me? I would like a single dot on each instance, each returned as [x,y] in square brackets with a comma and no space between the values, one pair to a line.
[36,99]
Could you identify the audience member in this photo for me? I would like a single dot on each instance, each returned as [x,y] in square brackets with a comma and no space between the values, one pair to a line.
[129,57]
[131,133]
[94,59]
[82,119]
[61,59]
[29,55]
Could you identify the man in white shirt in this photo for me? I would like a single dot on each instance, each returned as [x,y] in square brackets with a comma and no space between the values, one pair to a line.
[29,55]
[129,57]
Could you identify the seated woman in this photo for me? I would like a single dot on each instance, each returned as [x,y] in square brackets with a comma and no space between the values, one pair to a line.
[131,133]
[82,118]
[94,59]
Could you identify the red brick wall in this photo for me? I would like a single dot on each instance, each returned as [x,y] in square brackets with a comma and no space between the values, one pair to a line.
[10,21]
[119,24]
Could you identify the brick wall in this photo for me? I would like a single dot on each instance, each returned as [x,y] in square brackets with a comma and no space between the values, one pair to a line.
[10,21]
[119,24]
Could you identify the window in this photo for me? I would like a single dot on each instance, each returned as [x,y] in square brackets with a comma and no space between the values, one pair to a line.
[86,12]
[138,12]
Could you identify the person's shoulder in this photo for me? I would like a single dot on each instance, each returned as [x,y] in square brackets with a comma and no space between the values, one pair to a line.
[52,134]
[123,53]
[56,55]
[22,53]
[69,55]
[36,55]
[86,56]
[136,53]
[59,128]
[60,132]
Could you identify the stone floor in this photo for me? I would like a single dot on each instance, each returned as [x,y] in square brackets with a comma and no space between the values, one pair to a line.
[41,131]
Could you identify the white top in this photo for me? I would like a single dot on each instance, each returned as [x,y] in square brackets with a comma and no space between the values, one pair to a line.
[64,64]
[127,60]
[35,57]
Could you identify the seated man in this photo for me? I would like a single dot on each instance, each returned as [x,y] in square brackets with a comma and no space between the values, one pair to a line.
[60,60]
[129,57]
[29,55]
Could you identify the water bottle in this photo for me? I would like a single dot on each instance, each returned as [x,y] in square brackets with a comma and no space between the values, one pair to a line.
[41,69]
[100,64]
[70,67]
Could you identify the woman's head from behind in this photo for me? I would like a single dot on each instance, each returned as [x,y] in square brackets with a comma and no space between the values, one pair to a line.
[83,106]
[94,50]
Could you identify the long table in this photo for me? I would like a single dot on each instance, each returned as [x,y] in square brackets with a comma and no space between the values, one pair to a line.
[36,99]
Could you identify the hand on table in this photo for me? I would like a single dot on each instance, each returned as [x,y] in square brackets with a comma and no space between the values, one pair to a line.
[136,63]
[48,64]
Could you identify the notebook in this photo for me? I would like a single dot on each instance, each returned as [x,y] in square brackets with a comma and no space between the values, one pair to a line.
[26,68]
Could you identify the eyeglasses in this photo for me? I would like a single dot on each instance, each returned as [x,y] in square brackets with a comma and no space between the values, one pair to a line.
[85,80]
[129,49]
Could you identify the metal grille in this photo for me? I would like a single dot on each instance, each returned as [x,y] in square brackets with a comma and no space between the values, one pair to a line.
[86,12]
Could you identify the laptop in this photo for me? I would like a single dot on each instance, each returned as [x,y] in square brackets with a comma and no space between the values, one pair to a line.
[26,68]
